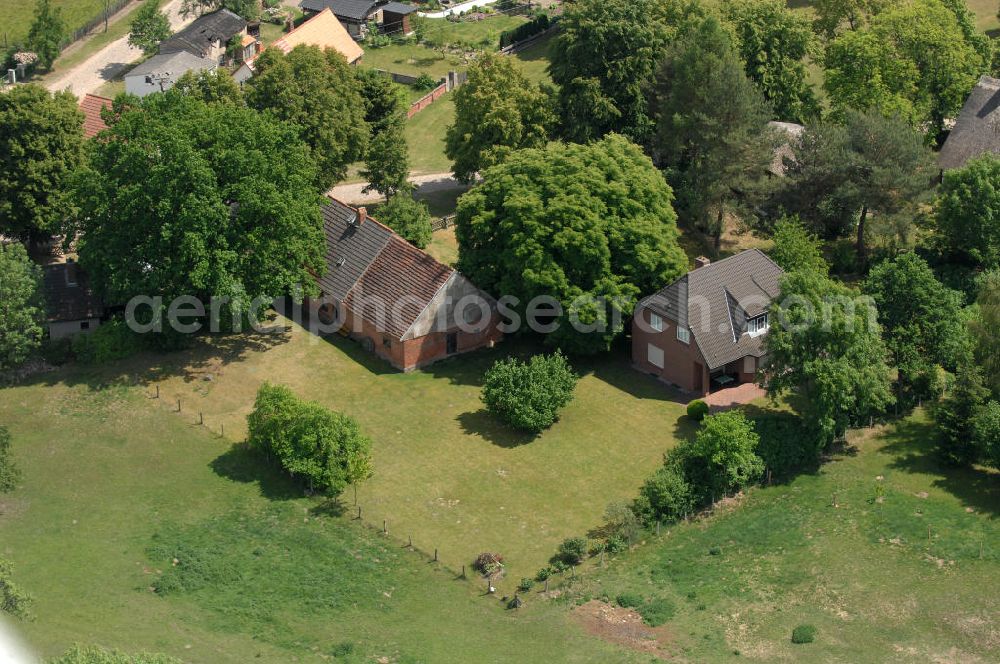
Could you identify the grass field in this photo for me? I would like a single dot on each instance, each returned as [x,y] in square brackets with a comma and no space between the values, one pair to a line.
[16,15]
[115,487]
[905,579]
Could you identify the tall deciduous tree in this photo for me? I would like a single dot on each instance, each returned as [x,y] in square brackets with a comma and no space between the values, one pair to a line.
[41,143]
[918,60]
[187,198]
[387,162]
[985,327]
[955,416]
[318,93]
[723,456]
[921,322]
[842,173]
[773,42]
[967,219]
[603,59]
[497,111]
[712,134]
[826,347]
[410,218]
[589,225]
[834,15]
[211,87]
[149,27]
[21,305]
[47,32]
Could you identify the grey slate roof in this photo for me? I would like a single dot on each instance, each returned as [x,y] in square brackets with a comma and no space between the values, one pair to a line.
[175,64]
[714,302]
[200,36]
[68,296]
[977,130]
[349,249]
[357,10]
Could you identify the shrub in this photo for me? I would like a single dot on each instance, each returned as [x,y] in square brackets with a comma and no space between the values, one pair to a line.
[408,217]
[666,496]
[656,612]
[804,634]
[629,600]
[715,551]
[543,574]
[57,351]
[488,563]
[109,342]
[572,550]
[9,474]
[697,410]
[324,447]
[526,584]
[620,522]
[425,82]
[528,396]
[723,456]
[785,446]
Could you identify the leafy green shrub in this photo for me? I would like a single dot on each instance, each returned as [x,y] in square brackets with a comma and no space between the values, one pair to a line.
[572,550]
[109,342]
[715,551]
[785,446]
[57,351]
[666,496]
[656,612]
[697,410]
[543,574]
[324,447]
[528,396]
[526,584]
[804,634]
[342,649]
[629,600]
[723,456]
[425,82]
[408,217]
[9,474]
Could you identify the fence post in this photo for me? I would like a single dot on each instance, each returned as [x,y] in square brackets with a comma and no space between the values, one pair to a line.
[201,418]
[463,566]
[359,512]
[178,404]
[435,555]
[222,430]
[157,392]
[385,527]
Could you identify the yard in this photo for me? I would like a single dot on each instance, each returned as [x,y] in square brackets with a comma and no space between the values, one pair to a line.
[887,554]
[16,15]
[119,493]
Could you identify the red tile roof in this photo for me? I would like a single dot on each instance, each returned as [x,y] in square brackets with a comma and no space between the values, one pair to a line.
[92,105]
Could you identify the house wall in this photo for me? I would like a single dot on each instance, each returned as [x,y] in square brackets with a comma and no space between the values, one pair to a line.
[64,329]
[679,358]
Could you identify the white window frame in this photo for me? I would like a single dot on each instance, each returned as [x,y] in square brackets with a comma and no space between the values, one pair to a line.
[683,335]
[655,356]
[758,325]
[655,322]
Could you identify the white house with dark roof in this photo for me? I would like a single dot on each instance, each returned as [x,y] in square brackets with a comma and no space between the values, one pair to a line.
[161,72]
[706,329]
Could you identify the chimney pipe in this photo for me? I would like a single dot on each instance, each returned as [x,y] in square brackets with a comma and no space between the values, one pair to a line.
[701,261]
[362,215]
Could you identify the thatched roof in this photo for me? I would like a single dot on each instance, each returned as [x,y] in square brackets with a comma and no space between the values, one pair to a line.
[789,131]
[977,130]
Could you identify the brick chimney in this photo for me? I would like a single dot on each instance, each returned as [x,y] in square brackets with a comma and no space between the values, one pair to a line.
[701,261]
[362,215]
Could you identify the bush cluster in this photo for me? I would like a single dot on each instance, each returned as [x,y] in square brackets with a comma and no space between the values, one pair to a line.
[109,342]
[324,447]
[804,634]
[536,25]
[528,396]
[697,410]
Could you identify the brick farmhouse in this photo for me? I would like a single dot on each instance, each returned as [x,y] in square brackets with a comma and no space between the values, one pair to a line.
[706,330]
[396,300]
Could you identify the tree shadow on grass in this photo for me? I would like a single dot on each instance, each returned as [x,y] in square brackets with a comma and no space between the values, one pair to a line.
[481,423]
[241,463]
[912,444]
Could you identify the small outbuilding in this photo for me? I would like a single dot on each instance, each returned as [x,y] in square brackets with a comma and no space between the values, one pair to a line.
[71,306]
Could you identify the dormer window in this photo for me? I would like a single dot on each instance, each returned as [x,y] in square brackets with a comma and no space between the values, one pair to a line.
[757,326]
[683,335]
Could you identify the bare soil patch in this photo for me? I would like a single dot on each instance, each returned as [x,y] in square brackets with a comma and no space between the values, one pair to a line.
[623,627]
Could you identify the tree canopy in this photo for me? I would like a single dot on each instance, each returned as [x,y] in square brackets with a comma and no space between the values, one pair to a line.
[985,326]
[773,42]
[41,143]
[723,456]
[529,395]
[188,198]
[841,173]
[834,15]
[603,59]
[317,92]
[387,161]
[921,321]
[211,87]
[826,346]
[410,218]
[590,225]
[967,218]
[712,134]
[21,305]
[324,447]
[47,32]
[917,60]
[795,248]
[149,27]
[497,110]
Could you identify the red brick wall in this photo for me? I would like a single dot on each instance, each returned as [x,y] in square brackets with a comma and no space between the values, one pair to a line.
[427,100]
[679,358]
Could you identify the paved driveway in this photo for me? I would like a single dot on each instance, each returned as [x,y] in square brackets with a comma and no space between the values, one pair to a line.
[425,184]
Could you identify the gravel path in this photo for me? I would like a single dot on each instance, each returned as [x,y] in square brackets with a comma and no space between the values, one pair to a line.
[112,60]
[429,183]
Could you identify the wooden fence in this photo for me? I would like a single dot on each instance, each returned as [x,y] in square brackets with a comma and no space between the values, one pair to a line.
[443,223]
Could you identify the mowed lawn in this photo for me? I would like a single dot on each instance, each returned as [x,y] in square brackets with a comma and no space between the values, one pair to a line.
[16,15]
[904,572]
[446,473]
[119,494]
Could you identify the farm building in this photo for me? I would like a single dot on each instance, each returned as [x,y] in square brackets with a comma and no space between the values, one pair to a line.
[71,305]
[391,17]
